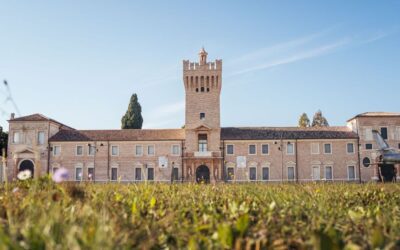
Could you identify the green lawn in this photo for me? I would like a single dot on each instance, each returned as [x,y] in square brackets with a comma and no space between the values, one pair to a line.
[44,215]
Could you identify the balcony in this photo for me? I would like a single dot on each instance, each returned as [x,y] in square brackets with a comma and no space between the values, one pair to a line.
[203,154]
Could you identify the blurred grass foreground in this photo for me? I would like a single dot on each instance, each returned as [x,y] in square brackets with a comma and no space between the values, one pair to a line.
[40,214]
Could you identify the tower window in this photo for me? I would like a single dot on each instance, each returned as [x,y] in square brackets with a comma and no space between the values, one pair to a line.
[202,89]
[197,89]
[202,116]
[208,89]
[202,143]
[384,133]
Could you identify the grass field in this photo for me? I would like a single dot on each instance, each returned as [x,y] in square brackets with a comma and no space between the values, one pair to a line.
[44,215]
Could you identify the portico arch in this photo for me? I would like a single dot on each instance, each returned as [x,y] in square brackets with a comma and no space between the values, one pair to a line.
[202,174]
[26,164]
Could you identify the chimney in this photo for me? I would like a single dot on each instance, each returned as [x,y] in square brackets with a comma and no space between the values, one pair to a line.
[12,116]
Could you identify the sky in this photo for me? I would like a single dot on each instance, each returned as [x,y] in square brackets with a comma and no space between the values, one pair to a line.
[79,61]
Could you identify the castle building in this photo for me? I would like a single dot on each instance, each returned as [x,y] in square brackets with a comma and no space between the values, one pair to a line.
[203,151]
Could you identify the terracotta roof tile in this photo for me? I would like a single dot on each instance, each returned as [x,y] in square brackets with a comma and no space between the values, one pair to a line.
[120,135]
[376,114]
[37,118]
[276,133]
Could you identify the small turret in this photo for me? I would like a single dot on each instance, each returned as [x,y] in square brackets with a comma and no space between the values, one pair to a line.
[203,56]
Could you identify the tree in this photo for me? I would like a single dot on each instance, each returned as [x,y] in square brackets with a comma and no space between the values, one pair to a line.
[3,140]
[304,122]
[319,120]
[133,116]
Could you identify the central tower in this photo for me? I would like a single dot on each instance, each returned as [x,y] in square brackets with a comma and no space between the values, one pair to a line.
[203,82]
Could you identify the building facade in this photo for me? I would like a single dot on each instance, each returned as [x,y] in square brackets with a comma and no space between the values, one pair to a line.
[202,151]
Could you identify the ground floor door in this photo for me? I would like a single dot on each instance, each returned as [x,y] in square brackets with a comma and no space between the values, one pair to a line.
[203,174]
[27,165]
[387,172]
[316,174]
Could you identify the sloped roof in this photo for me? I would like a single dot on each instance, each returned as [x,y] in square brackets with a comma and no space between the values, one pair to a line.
[376,114]
[277,133]
[37,118]
[120,135]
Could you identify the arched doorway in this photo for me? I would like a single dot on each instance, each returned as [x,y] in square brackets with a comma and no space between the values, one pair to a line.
[387,172]
[27,165]
[203,174]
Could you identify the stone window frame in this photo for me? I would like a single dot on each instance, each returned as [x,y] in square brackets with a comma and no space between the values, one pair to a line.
[91,166]
[148,166]
[262,146]
[328,166]
[38,137]
[76,150]
[311,145]
[111,149]
[179,149]
[54,150]
[369,149]
[312,172]
[141,177]
[331,148]
[387,132]
[136,148]
[287,172]
[20,137]
[115,166]
[154,149]
[294,149]
[347,148]
[233,149]
[78,166]
[89,151]
[255,149]
[267,166]
[254,167]
[355,172]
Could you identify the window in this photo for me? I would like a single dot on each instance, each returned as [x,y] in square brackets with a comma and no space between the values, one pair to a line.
[41,136]
[79,150]
[252,149]
[175,149]
[399,145]
[114,173]
[366,162]
[327,148]
[314,148]
[150,150]
[114,150]
[150,174]
[202,143]
[92,150]
[230,174]
[55,169]
[175,174]
[397,136]
[368,146]
[316,174]
[202,116]
[265,173]
[290,173]
[78,173]
[265,149]
[56,150]
[16,137]
[90,173]
[350,148]
[253,173]
[229,150]
[290,148]
[328,173]
[368,134]
[351,173]
[384,133]
[138,150]
[138,174]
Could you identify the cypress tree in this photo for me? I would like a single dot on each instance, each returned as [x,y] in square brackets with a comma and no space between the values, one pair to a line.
[304,122]
[319,120]
[3,140]
[133,116]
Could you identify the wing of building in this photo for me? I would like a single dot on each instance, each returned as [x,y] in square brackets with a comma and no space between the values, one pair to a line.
[203,151]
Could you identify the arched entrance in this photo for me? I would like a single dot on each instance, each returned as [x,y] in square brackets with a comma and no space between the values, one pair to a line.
[387,172]
[203,174]
[26,165]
